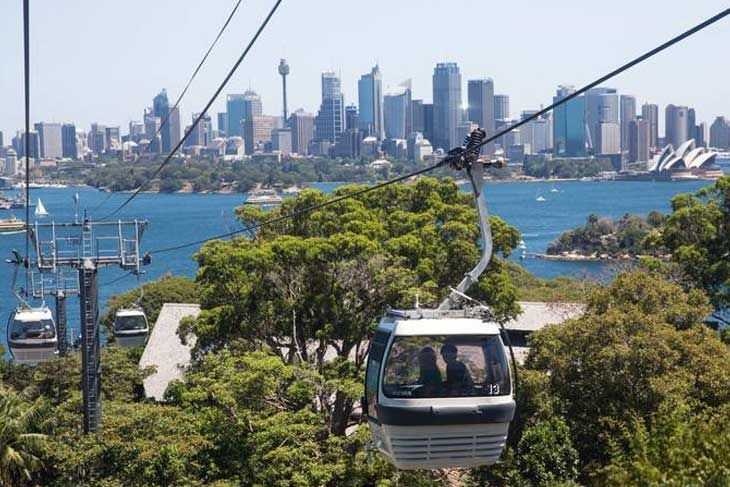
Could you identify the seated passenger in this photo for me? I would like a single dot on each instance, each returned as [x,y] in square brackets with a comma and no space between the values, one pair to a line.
[429,376]
[457,375]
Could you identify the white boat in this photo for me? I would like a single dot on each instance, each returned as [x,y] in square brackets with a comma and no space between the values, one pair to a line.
[554,190]
[40,210]
[540,198]
[522,245]
[263,197]
[11,226]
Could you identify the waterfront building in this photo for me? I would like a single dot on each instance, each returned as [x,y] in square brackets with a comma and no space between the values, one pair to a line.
[535,134]
[330,121]
[628,115]
[609,139]
[370,103]
[638,135]
[161,109]
[10,167]
[676,125]
[569,124]
[447,106]
[720,133]
[49,139]
[650,113]
[601,107]
[480,95]
[34,149]
[501,107]
[68,141]
[302,125]
[97,138]
[685,162]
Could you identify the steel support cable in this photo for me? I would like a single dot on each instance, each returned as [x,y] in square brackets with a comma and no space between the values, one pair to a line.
[187,86]
[585,88]
[203,112]
[26,65]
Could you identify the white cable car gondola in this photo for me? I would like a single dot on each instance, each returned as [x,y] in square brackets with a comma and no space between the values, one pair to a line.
[31,335]
[131,327]
[438,388]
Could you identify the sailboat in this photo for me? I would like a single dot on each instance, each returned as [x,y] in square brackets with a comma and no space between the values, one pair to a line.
[40,210]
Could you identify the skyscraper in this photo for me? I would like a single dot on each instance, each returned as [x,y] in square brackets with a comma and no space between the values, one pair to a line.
[676,125]
[173,127]
[222,126]
[19,144]
[480,93]
[68,141]
[235,111]
[428,121]
[446,105]
[569,125]
[252,106]
[2,141]
[720,133]
[417,118]
[602,108]
[331,116]
[302,125]
[370,103]
[161,109]
[351,117]
[396,108]
[650,113]
[628,114]
[113,137]
[501,107]
[97,138]
[535,133]
[638,135]
[257,132]
[200,134]
[49,134]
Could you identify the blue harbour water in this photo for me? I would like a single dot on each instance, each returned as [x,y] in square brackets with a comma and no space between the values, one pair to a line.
[179,218]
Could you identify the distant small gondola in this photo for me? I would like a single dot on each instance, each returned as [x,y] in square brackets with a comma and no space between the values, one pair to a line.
[131,328]
[32,336]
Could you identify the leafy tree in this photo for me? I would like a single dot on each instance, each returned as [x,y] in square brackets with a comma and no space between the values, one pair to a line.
[317,283]
[545,453]
[640,344]
[20,443]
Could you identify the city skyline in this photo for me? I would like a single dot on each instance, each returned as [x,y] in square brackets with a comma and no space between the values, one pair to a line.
[64,90]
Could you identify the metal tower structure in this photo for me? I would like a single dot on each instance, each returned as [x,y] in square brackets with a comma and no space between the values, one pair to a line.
[284,72]
[85,247]
[60,285]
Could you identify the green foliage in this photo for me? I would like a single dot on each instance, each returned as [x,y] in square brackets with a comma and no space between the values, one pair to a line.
[21,444]
[168,289]
[565,168]
[545,453]
[625,236]
[559,289]
[697,233]
[678,448]
[640,344]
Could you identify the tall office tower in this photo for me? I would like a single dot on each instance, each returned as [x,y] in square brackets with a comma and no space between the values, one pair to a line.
[536,133]
[602,107]
[639,134]
[370,103]
[396,108]
[351,117]
[628,114]
[252,106]
[235,109]
[446,106]
[650,113]
[696,130]
[161,109]
[201,133]
[569,124]
[480,93]
[49,134]
[222,125]
[428,122]
[720,133]
[151,125]
[609,139]
[331,116]
[676,125]
[173,126]
[501,107]
[302,126]
[11,162]
[97,138]
[417,116]
[34,148]
[68,141]
[2,141]
[113,137]
[136,131]
[284,72]
[257,132]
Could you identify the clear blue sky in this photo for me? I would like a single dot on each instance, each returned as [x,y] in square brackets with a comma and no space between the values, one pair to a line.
[104,60]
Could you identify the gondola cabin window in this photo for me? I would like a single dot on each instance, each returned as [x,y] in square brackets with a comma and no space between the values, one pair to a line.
[446,366]
[129,323]
[29,330]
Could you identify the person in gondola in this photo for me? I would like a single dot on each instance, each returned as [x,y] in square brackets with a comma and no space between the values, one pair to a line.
[429,375]
[458,379]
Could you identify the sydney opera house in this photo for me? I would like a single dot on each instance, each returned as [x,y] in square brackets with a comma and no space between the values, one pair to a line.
[687,162]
